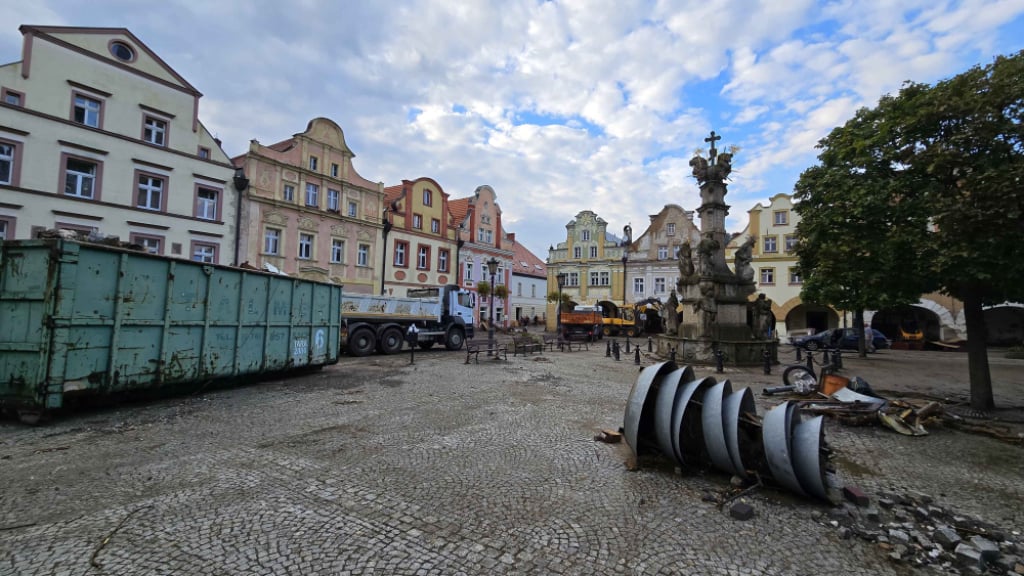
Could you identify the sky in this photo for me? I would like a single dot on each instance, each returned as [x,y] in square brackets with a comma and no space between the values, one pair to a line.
[559,106]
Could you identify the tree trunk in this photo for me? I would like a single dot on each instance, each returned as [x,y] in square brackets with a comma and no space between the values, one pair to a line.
[977,352]
[858,324]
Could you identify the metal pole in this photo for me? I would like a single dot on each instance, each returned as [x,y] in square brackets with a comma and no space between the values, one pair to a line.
[490,320]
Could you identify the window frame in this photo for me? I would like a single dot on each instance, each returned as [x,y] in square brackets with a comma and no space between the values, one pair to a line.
[277,240]
[203,153]
[337,251]
[140,238]
[164,187]
[75,95]
[638,285]
[400,258]
[97,178]
[314,163]
[9,225]
[794,277]
[14,178]
[783,221]
[165,131]
[585,236]
[443,258]
[773,240]
[428,197]
[663,252]
[363,255]
[288,192]
[593,251]
[194,244]
[769,273]
[659,285]
[314,188]
[789,242]
[333,200]
[417,221]
[307,243]
[6,93]
[435,226]
[352,209]
[334,170]
[577,252]
[423,257]
[670,229]
[217,202]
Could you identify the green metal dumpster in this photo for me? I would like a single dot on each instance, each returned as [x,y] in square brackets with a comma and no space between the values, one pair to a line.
[82,318]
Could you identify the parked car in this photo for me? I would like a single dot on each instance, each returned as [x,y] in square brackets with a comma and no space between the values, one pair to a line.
[847,339]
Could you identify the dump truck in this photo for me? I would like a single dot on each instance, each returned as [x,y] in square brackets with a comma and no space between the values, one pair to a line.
[442,315]
[618,320]
[585,321]
[81,319]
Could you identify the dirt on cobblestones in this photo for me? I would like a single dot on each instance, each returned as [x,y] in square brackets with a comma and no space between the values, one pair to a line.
[379,466]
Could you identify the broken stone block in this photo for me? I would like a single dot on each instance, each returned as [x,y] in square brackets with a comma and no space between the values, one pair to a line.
[967,555]
[899,537]
[946,537]
[872,514]
[741,511]
[856,495]
[989,550]
[886,503]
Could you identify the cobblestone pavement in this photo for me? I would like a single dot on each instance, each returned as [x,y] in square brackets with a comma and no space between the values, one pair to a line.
[376,466]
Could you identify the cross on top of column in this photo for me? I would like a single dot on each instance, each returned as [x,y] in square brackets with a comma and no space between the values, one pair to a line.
[712,139]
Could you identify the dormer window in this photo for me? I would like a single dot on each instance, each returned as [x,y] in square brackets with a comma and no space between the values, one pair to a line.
[122,51]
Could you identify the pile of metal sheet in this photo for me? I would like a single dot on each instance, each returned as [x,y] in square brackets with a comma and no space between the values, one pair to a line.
[702,423]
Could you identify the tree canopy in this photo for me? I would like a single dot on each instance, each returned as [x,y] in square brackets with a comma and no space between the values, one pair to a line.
[923,192]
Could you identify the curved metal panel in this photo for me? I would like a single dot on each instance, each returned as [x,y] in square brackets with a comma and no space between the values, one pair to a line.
[688,441]
[669,392]
[714,430]
[807,461]
[735,405]
[639,418]
[777,434]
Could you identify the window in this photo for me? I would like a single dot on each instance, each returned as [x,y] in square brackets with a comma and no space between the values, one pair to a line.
[151,244]
[442,260]
[81,178]
[593,279]
[363,255]
[122,51]
[312,193]
[313,163]
[149,194]
[6,228]
[767,275]
[154,131]
[333,199]
[662,252]
[638,285]
[572,279]
[13,98]
[533,291]
[203,252]
[204,153]
[288,193]
[87,110]
[423,258]
[519,289]
[770,244]
[428,197]
[782,218]
[417,221]
[305,246]
[272,241]
[207,203]
[468,276]
[577,252]
[600,279]
[593,251]
[337,251]
[794,276]
[353,209]
[435,225]
[401,252]
[670,229]
[176,248]
[659,285]
[790,242]
[586,235]
[334,170]
[8,163]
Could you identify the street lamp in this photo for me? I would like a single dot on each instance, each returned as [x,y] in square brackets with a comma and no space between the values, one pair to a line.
[627,231]
[492,267]
[560,278]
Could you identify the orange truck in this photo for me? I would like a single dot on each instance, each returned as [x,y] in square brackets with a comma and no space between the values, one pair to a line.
[582,321]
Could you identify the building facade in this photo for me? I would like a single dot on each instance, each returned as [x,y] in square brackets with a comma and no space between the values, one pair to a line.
[481,239]
[528,287]
[308,213]
[653,265]
[591,261]
[421,237]
[99,135]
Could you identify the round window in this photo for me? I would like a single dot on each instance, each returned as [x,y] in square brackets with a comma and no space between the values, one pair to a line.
[122,51]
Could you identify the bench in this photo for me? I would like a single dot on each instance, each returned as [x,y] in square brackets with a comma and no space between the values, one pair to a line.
[526,345]
[566,345]
[473,350]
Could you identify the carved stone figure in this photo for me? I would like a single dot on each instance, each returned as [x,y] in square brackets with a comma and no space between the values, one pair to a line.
[744,255]
[706,308]
[706,249]
[685,260]
[672,315]
[723,166]
[761,317]
[700,168]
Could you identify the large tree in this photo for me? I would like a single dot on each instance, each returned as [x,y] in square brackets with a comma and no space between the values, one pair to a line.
[936,175]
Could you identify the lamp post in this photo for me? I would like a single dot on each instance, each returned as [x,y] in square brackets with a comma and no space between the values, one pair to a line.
[492,267]
[560,278]
[384,251]
[627,231]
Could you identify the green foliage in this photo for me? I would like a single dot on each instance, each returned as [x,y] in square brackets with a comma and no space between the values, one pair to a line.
[924,191]
[553,297]
[483,288]
[501,291]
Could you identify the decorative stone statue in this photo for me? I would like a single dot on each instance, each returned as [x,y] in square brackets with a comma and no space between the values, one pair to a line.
[723,166]
[685,260]
[700,168]
[744,255]
[706,307]
[672,315]
[761,317]
[706,249]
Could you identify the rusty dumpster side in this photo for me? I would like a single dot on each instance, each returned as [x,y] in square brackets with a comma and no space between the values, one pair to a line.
[82,318]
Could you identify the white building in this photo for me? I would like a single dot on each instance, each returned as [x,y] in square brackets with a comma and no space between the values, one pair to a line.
[97,133]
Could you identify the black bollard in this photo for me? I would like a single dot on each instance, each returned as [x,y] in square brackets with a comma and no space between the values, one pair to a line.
[810,362]
[636,359]
[608,348]
[650,344]
[824,355]
[672,354]
[837,359]
[615,351]
[767,361]
[627,344]
[798,358]
[719,359]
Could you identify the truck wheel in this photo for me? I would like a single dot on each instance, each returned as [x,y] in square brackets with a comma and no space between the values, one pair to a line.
[391,341]
[454,338]
[362,343]
[607,331]
[631,332]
